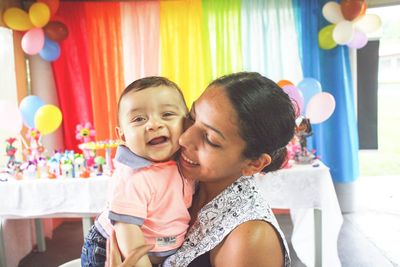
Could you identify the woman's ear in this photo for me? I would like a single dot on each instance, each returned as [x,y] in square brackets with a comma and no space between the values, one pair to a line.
[119,133]
[256,165]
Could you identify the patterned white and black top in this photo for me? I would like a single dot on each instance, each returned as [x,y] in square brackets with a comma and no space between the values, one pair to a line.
[238,203]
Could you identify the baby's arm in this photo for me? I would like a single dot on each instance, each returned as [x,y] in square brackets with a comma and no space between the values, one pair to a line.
[129,237]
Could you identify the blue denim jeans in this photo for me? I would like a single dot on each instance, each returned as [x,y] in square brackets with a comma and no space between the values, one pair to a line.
[94,249]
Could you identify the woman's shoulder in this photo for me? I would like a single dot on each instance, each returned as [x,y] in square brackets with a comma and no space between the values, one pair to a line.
[252,243]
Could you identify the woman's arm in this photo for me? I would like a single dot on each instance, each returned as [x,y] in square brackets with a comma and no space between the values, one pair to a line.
[253,243]
[130,237]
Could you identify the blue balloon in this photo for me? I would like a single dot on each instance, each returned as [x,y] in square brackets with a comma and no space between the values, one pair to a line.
[309,87]
[28,107]
[50,51]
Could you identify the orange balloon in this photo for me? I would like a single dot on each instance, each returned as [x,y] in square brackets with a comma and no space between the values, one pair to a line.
[52,4]
[283,83]
[363,9]
[351,9]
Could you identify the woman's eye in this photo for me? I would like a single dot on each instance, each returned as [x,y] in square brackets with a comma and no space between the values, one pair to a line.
[208,141]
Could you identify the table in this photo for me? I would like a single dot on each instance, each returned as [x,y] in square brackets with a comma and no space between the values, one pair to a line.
[307,191]
[51,198]
[310,195]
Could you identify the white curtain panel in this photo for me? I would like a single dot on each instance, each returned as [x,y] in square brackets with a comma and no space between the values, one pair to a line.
[269,39]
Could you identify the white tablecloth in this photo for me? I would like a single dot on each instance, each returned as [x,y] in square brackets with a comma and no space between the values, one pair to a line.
[300,189]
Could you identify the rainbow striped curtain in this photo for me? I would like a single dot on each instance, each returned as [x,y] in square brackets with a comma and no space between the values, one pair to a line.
[192,42]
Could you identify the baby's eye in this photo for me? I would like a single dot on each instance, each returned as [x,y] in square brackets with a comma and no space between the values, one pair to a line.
[168,114]
[138,119]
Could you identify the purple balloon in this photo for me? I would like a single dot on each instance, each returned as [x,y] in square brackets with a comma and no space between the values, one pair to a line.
[359,40]
[296,96]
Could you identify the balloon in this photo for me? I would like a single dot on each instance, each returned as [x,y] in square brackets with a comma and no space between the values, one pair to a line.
[325,39]
[368,23]
[47,119]
[296,96]
[359,40]
[39,13]
[10,117]
[50,51]
[343,32]
[332,13]
[28,107]
[351,9]
[56,31]
[309,87]
[52,4]
[282,83]
[320,107]
[33,41]
[17,19]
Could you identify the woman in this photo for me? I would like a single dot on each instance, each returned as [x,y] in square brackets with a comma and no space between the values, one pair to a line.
[241,126]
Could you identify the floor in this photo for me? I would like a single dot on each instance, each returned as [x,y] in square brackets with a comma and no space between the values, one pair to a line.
[367,237]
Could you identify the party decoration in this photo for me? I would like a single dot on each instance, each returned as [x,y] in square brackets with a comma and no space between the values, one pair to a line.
[84,132]
[350,24]
[43,34]
[17,19]
[51,50]
[28,107]
[320,107]
[33,41]
[10,117]
[282,83]
[47,119]
[309,87]
[325,37]
[351,9]
[56,31]
[52,4]
[296,96]
[332,12]
[39,14]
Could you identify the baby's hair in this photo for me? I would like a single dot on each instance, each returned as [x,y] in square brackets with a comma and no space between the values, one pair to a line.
[148,82]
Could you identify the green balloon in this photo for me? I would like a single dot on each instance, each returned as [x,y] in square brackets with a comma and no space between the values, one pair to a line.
[325,37]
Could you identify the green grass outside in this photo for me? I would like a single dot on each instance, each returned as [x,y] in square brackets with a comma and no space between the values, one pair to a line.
[385,160]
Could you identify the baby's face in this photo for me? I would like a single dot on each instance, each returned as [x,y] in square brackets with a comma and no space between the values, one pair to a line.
[151,121]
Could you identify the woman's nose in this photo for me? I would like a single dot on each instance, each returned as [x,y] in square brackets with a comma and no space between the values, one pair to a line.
[187,138]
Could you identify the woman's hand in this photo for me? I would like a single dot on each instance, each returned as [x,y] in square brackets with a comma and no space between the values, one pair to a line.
[114,255]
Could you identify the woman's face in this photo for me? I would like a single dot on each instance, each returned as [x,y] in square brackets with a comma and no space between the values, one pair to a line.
[212,147]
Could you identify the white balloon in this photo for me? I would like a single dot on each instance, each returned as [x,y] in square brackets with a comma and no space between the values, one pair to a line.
[332,13]
[343,32]
[320,107]
[368,23]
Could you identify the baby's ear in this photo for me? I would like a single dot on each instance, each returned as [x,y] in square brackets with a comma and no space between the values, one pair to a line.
[119,133]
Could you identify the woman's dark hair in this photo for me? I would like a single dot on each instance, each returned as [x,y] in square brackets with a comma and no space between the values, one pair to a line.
[266,115]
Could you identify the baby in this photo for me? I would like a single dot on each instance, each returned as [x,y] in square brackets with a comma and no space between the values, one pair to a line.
[148,200]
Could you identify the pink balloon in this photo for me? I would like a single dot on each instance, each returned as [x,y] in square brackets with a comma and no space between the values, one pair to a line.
[10,117]
[33,41]
[359,40]
[296,96]
[320,107]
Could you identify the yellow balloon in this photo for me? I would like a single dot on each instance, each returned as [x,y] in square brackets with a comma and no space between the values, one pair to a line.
[17,19]
[47,119]
[39,13]
[325,37]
